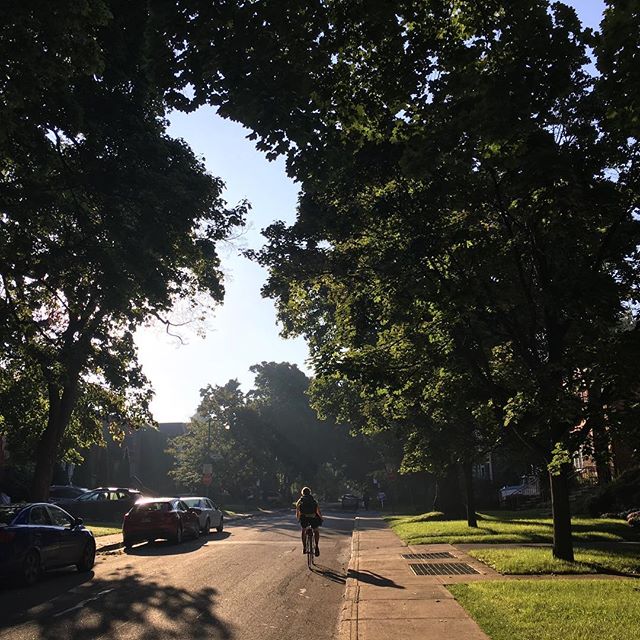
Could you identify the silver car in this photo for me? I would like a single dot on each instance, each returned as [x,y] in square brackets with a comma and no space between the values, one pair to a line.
[208,513]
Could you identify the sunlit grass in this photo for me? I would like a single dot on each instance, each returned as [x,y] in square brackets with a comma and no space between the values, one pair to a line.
[505,527]
[536,560]
[99,529]
[552,609]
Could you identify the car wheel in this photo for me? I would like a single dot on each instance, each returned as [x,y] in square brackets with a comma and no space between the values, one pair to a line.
[220,527]
[31,568]
[207,527]
[88,557]
[177,538]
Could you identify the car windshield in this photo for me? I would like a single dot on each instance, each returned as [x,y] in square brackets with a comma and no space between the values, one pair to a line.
[153,506]
[7,514]
[93,495]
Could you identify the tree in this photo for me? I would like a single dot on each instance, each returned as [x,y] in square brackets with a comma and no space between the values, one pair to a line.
[213,438]
[304,443]
[105,219]
[268,438]
[454,173]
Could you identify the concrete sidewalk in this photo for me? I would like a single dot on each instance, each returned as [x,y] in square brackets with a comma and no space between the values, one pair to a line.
[384,599]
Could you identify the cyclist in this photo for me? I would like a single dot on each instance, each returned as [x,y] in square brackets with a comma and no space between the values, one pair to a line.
[308,513]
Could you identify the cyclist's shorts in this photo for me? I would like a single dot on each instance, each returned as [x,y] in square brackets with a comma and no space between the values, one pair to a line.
[305,521]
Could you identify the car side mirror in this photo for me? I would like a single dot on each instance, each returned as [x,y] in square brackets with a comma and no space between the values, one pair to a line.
[77,522]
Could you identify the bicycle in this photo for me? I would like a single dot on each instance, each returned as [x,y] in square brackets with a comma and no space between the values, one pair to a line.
[308,544]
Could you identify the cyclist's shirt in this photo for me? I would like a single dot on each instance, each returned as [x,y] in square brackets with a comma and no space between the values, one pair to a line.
[308,509]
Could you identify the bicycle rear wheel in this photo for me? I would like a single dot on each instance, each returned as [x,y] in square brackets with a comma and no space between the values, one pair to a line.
[309,547]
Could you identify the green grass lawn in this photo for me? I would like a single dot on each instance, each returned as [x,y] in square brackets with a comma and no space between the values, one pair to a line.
[552,609]
[102,529]
[531,560]
[505,526]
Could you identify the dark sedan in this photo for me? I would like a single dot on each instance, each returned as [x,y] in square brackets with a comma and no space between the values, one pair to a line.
[39,536]
[106,504]
[166,518]
[59,492]
[349,501]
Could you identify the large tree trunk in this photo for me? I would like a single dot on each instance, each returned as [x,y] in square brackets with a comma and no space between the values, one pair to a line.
[562,540]
[467,469]
[61,403]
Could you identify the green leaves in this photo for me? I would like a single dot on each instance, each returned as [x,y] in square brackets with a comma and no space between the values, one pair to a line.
[560,460]
[268,438]
[105,220]
[473,191]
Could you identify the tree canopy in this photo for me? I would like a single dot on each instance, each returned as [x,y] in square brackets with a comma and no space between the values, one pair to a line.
[469,200]
[105,220]
[268,440]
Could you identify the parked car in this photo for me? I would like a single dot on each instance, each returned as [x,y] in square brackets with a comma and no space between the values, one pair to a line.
[38,536]
[65,491]
[152,518]
[209,514]
[349,501]
[106,504]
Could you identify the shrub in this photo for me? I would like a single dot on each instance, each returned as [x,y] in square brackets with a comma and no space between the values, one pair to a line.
[622,493]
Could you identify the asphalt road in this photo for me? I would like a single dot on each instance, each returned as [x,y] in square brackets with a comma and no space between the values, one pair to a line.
[251,581]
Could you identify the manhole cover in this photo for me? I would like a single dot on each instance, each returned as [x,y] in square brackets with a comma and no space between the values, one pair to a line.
[441,569]
[427,556]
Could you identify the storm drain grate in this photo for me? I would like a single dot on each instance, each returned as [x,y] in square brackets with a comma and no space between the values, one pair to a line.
[438,555]
[442,569]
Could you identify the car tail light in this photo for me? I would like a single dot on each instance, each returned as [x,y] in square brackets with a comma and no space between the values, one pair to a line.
[7,536]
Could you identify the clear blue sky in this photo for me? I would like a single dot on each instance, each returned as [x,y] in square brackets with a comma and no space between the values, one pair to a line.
[243,331]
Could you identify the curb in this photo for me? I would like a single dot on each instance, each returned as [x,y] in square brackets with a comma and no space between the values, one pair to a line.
[109,547]
[115,546]
[348,622]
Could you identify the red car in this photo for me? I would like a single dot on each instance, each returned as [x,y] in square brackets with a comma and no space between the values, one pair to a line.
[152,518]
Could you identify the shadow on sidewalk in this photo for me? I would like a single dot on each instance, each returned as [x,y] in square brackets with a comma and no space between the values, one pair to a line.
[375,579]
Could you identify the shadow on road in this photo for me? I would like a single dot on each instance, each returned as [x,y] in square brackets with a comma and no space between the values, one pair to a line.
[328,572]
[132,606]
[15,598]
[166,548]
[286,524]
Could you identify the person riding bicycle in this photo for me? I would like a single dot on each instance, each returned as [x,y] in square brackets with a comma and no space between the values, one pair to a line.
[308,513]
